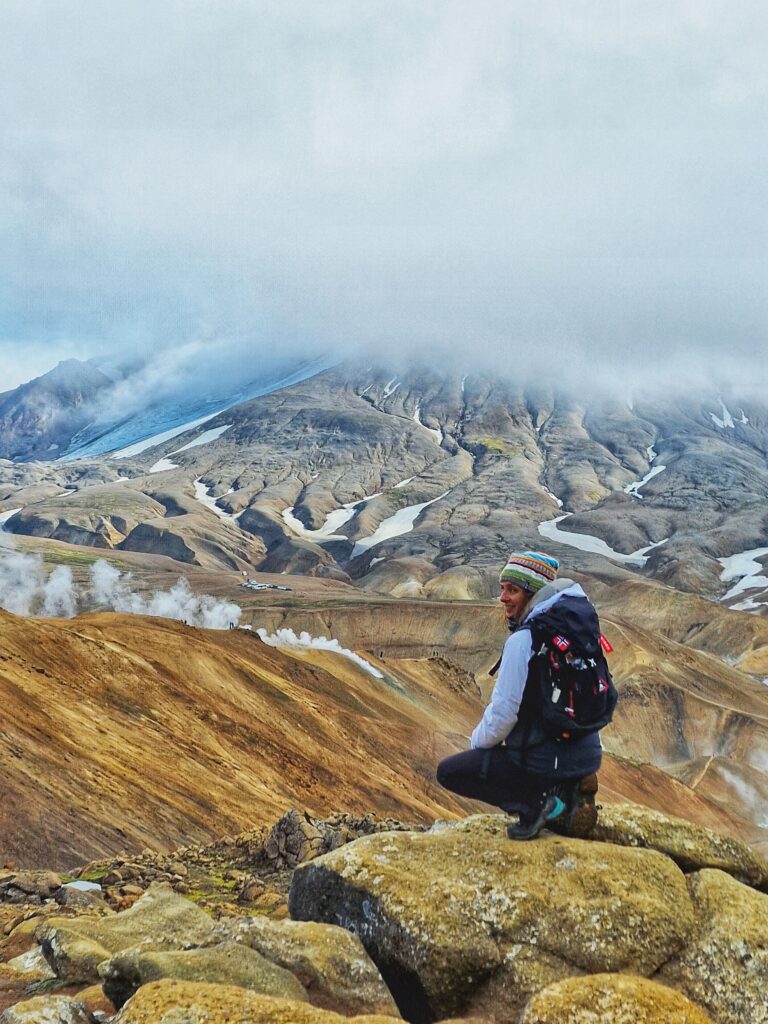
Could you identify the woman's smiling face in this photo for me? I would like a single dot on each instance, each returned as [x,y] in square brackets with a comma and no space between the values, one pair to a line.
[514,600]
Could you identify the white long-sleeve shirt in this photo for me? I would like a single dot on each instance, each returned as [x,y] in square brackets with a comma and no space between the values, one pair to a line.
[500,716]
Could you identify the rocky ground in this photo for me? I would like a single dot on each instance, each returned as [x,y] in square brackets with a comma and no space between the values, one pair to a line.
[651,919]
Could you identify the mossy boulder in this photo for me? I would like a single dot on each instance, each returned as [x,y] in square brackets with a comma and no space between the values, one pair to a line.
[331,962]
[461,920]
[186,1002]
[611,999]
[689,845]
[159,920]
[228,963]
[724,965]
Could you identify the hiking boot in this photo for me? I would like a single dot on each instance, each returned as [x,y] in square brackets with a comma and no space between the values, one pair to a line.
[580,816]
[551,809]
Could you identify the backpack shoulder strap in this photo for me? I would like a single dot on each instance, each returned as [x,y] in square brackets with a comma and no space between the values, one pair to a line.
[497,664]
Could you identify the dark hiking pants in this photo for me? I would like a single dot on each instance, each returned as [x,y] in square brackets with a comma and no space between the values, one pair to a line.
[493,777]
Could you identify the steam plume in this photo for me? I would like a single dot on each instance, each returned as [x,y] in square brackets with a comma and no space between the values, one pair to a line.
[25,589]
[287,638]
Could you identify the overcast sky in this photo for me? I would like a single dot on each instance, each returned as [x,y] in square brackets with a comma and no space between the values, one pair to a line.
[546,183]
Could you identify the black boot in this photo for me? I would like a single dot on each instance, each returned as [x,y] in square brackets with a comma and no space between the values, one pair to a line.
[529,828]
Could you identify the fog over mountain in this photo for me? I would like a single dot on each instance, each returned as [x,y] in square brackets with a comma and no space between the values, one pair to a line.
[565,188]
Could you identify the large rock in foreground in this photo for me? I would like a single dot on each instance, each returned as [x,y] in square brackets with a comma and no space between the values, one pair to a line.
[159,920]
[463,921]
[330,962]
[689,845]
[228,963]
[611,999]
[724,966]
[195,1002]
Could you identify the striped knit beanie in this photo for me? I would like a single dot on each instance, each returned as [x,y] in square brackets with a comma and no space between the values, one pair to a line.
[530,570]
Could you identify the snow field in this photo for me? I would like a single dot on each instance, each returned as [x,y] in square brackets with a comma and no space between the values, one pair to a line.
[586,542]
[401,522]
[745,569]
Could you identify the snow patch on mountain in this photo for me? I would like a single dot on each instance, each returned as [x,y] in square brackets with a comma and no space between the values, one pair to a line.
[8,514]
[401,522]
[333,521]
[437,434]
[745,569]
[634,488]
[162,465]
[586,542]
[726,420]
[203,495]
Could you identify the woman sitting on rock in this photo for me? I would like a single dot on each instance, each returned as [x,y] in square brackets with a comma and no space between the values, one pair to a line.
[536,749]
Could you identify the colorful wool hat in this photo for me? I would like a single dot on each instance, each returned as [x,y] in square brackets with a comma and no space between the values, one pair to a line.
[530,570]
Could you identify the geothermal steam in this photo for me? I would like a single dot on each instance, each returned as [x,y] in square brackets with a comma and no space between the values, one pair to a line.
[25,589]
[287,638]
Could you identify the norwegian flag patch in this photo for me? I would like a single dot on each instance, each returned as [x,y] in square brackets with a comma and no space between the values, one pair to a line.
[561,643]
[605,645]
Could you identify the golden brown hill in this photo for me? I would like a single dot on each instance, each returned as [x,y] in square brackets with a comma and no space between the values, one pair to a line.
[123,732]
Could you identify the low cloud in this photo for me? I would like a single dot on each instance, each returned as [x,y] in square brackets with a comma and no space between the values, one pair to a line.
[531,186]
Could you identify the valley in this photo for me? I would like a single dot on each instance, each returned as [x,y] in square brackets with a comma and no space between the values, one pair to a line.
[373,510]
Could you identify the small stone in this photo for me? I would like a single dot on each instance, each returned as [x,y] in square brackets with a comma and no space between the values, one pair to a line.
[48,1009]
[131,890]
[251,891]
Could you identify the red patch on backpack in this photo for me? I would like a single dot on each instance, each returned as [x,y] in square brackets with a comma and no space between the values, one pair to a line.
[605,645]
[561,643]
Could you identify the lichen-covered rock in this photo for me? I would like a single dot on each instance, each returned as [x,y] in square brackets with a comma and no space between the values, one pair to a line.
[186,1002]
[293,840]
[690,846]
[228,963]
[297,838]
[724,966]
[47,1010]
[22,935]
[611,999]
[460,920]
[330,962]
[31,965]
[159,920]
[80,899]
[28,886]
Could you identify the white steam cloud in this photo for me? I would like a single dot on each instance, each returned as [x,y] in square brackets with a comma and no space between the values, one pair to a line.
[287,638]
[24,586]
[26,589]
[112,589]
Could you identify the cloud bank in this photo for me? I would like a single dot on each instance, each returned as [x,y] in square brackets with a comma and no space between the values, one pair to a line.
[566,182]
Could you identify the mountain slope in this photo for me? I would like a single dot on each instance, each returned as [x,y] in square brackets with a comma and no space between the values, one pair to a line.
[419,484]
[38,419]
